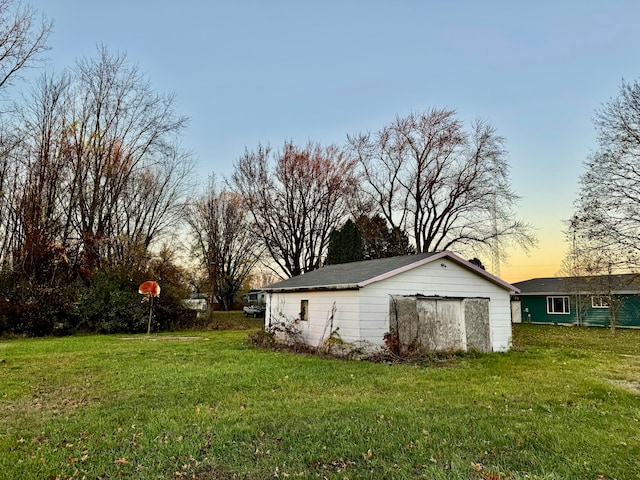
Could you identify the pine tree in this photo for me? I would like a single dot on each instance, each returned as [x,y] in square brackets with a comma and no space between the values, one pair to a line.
[380,241]
[345,245]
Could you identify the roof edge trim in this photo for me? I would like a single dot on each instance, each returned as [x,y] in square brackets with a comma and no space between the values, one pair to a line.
[315,288]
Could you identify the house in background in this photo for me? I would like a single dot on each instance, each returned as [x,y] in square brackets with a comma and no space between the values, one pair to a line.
[588,300]
[443,301]
[198,303]
[254,297]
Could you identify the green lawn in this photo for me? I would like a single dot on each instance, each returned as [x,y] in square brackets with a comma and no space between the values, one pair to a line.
[563,404]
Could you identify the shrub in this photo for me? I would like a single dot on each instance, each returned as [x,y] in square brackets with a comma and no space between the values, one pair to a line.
[262,339]
[106,301]
[27,308]
[111,305]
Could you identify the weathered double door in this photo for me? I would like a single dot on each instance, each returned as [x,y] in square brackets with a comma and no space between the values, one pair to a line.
[440,323]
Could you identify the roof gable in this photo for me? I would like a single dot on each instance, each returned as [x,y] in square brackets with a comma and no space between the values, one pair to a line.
[355,275]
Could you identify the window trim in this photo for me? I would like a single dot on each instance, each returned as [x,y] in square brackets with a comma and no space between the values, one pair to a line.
[601,304]
[304,310]
[566,302]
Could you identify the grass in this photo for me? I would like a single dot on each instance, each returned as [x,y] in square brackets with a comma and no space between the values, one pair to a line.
[564,403]
[232,320]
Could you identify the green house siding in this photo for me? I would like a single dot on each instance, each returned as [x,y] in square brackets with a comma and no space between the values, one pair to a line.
[581,312]
[594,317]
[628,313]
[534,310]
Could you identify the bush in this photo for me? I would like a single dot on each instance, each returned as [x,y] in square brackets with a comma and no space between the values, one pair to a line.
[110,305]
[30,309]
[106,301]
[262,339]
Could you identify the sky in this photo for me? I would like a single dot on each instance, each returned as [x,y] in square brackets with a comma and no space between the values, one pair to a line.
[250,72]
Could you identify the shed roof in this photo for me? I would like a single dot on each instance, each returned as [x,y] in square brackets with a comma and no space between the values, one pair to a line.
[619,283]
[355,275]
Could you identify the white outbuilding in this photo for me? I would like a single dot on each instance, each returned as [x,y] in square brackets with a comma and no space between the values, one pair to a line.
[437,300]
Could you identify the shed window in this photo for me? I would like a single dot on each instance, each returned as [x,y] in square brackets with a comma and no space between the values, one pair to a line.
[304,310]
[600,301]
[558,305]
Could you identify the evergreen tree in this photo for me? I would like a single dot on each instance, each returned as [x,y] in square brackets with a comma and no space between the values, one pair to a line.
[380,241]
[345,245]
[477,262]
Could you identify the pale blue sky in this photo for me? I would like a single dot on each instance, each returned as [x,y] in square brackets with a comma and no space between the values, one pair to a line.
[264,71]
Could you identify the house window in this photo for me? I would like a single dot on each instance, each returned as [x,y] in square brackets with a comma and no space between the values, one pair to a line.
[304,310]
[558,305]
[600,301]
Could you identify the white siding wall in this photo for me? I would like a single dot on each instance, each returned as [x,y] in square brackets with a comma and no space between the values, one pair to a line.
[364,314]
[318,328]
[450,280]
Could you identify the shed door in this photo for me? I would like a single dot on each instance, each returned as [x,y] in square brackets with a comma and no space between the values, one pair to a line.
[516,311]
[441,322]
[477,324]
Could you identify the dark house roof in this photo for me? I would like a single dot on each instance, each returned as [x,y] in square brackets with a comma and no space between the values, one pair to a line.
[622,283]
[355,275]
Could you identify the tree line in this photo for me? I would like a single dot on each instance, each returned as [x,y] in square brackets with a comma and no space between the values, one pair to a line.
[422,183]
[95,189]
[91,177]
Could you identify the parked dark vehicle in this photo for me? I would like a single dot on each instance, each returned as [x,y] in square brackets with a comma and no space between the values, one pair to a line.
[254,311]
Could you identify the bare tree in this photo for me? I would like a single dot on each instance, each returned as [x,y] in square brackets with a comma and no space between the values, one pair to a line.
[224,241]
[10,186]
[446,186]
[604,230]
[22,41]
[296,197]
[152,205]
[37,205]
[22,38]
[607,217]
[99,175]
[121,127]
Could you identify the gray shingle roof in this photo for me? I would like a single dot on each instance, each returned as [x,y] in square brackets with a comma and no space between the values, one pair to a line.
[346,275]
[356,274]
[623,283]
